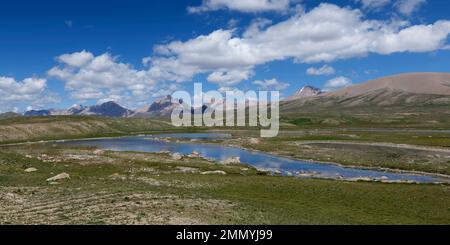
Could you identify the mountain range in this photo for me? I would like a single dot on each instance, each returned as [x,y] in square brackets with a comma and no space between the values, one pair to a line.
[108,109]
[411,89]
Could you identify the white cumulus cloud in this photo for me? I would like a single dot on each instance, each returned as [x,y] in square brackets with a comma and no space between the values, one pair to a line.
[337,83]
[229,77]
[373,4]
[324,34]
[325,70]
[32,91]
[271,84]
[104,78]
[77,59]
[407,7]
[247,6]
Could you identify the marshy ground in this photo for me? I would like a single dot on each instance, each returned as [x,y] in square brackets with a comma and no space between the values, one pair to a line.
[400,150]
[141,188]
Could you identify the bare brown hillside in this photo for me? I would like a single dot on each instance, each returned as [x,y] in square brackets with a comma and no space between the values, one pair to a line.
[415,83]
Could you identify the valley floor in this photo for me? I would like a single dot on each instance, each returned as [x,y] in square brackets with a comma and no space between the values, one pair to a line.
[403,150]
[140,188]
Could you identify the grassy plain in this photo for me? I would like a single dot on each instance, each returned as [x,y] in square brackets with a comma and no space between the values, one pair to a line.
[139,188]
[402,150]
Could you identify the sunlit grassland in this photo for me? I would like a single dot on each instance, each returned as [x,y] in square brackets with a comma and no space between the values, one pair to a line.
[240,197]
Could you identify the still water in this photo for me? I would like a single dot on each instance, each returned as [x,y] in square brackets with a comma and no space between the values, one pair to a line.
[259,160]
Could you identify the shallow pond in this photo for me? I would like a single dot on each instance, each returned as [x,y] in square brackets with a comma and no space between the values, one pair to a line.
[259,160]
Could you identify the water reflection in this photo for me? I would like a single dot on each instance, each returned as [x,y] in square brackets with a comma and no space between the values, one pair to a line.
[260,160]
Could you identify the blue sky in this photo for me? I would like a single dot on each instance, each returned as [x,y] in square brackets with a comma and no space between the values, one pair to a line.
[55,54]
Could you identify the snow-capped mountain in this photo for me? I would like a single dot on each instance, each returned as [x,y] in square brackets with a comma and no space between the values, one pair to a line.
[159,108]
[108,109]
[305,92]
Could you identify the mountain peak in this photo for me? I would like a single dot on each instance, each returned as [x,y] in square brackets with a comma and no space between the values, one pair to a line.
[109,103]
[160,108]
[108,109]
[75,109]
[77,106]
[305,92]
[34,113]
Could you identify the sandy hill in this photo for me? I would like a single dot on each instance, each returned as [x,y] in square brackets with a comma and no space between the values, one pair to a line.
[404,89]
[407,99]
[414,83]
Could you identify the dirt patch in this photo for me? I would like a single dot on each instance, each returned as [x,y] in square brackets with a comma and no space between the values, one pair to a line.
[103,207]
